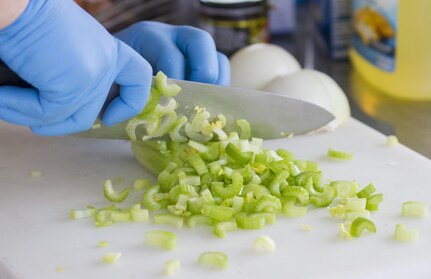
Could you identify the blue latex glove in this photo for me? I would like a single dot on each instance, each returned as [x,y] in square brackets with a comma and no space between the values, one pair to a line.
[72,62]
[181,52]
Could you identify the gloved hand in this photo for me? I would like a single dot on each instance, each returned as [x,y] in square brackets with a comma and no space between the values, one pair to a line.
[181,52]
[71,61]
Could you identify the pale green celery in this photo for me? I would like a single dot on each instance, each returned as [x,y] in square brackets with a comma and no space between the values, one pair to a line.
[244,125]
[163,239]
[235,154]
[344,230]
[286,155]
[221,228]
[198,219]
[244,145]
[415,209]
[214,259]
[148,198]
[167,122]
[141,184]
[132,126]
[185,189]
[270,217]
[264,243]
[237,203]
[103,218]
[90,211]
[161,84]
[102,244]
[340,155]
[256,190]
[168,219]
[138,214]
[292,211]
[391,141]
[355,204]
[302,178]
[268,204]
[367,191]
[298,193]
[406,235]
[195,205]
[344,189]
[324,199]
[111,257]
[220,133]
[373,202]
[337,211]
[360,224]
[196,136]
[201,148]
[200,120]
[175,132]
[178,212]
[150,155]
[217,212]
[166,109]
[198,164]
[172,267]
[194,180]
[119,215]
[152,102]
[274,186]
[112,195]
[182,202]
[250,221]
[231,190]
[352,215]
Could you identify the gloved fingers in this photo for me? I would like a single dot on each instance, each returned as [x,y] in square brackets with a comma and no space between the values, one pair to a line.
[200,52]
[22,106]
[134,78]
[223,70]
[81,120]
[171,62]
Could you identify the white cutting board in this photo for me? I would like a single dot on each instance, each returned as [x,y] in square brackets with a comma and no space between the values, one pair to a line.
[36,234]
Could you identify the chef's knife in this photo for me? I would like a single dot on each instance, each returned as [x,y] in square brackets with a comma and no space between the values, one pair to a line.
[270,115]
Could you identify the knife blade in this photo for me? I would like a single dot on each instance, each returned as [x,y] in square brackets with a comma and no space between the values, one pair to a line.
[270,115]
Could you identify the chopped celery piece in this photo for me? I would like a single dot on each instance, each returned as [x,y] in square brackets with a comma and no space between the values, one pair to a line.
[306,227]
[344,189]
[172,267]
[112,195]
[202,148]
[268,203]
[360,224]
[355,204]
[217,212]
[250,221]
[323,199]
[292,211]
[336,154]
[231,190]
[59,269]
[168,219]
[138,214]
[118,215]
[199,219]
[198,164]
[103,244]
[235,154]
[337,211]
[404,234]
[391,141]
[168,90]
[221,228]
[373,202]
[182,202]
[90,211]
[274,186]
[344,230]
[35,174]
[415,209]
[111,257]
[141,184]
[264,243]
[244,125]
[297,193]
[148,198]
[214,259]
[162,239]
[352,215]
[175,132]
[367,191]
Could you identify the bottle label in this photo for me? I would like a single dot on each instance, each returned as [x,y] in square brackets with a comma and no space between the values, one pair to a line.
[375,31]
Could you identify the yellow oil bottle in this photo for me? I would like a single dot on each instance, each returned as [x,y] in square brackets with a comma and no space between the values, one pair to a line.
[391,46]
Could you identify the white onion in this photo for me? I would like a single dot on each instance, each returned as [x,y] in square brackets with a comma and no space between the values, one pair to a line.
[314,87]
[257,64]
